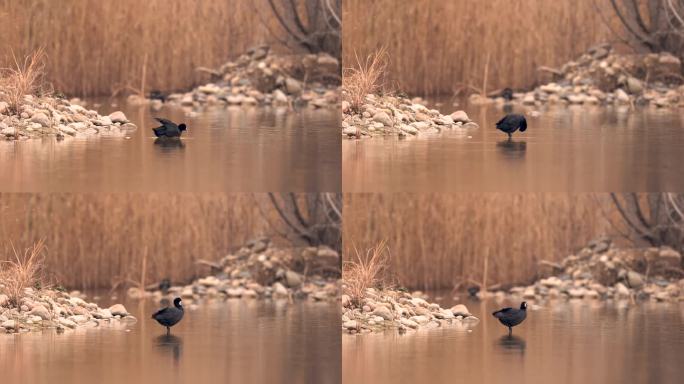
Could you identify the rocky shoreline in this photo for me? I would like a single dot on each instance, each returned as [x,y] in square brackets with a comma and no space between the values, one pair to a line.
[398,116]
[601,271]
[260,77]
[53,116]
[602,77]
[388,309]
[260,269]
[53,309]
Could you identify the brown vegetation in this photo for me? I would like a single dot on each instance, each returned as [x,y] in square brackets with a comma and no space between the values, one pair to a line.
[99,47]
[364,77]
[440,46]
[443,240]
[106,240]
[366,270]
[24,77]
[23,271]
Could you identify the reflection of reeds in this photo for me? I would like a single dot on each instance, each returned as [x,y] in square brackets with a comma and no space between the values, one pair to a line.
[97,47]
[441,240]
[366,271]
[437,46]
[101,240]
[23,271]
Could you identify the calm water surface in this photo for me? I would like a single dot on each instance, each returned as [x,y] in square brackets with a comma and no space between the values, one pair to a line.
[569,342]
[248,149]
[234,341]
[581,149]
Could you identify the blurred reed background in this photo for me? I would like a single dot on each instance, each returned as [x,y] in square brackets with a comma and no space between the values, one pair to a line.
[101,240]
[97,47]
[436,46]
[439,240]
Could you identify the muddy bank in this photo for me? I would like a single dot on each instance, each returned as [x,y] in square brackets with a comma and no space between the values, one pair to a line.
[54,116]
[261,77]
[398,116]
[602,77]
[388,309]
[602,271]
[260,269]
[50,308]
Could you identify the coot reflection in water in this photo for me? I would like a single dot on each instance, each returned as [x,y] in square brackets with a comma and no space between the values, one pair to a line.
[170,344]
[163,143]
[512,342]
[512,149]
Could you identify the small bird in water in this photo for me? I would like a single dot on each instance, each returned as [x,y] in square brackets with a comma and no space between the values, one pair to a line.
[511,317]
[170,316]
[511,123]
[168,128]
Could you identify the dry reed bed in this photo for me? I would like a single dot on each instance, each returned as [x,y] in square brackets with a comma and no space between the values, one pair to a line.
[438,46]
[441,240]
[98,47]
[99,241]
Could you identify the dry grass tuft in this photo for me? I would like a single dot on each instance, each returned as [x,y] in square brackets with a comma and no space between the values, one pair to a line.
[366,271]
[23,272]
[366,78]
[23,78]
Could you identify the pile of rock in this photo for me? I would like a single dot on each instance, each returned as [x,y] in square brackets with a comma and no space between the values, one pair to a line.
[391,309]
[601,76]
[259,77]
[40,116]
[48,308]
[259,270]
[396,115]
[601,271]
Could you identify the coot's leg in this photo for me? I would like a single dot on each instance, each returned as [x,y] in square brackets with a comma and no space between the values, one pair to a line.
[168,331]
[510,331]
[509,136]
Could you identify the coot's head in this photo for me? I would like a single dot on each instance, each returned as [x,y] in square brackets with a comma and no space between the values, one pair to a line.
[523,306]
[507,94]
[177,302]
[182,127]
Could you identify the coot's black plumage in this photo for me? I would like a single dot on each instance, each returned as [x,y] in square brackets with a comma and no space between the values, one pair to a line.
[507,94]
[170,316]
[168,128]
[511,123]
[511,317]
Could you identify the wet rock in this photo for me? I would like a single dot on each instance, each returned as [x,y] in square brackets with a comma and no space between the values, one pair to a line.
[634,85]
[383,312]
[351,324]
[293,279]
[10,325]
[67,323]
[41,118]
[41,311]
[635,280]
[118,117]
[621,290]
[293,86]
[280,290]
[460,310]
[118,310]
[383,118]
[460,117]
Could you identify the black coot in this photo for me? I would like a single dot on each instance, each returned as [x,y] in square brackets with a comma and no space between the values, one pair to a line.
[511,317]
[168,128]
[511,123]
[170,316]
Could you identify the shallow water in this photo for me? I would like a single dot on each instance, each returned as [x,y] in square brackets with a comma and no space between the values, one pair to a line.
[240,149]
[233,341]
[565,149]
[570,342]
